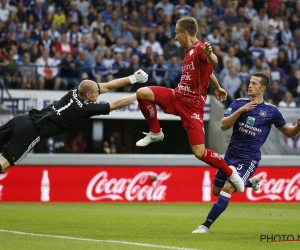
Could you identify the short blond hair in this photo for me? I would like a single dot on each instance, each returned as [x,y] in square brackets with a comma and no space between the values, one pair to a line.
[189,24]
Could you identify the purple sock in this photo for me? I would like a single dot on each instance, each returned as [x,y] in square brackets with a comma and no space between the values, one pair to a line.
[248,183]
[218,208]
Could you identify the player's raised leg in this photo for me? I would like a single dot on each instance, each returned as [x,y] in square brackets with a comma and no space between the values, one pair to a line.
[213,159]
[146,98]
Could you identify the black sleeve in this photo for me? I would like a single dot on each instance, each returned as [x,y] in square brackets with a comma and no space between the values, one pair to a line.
[92,109]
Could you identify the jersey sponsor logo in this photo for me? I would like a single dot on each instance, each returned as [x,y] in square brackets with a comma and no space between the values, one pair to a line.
[250,120]
[262,113]
[228,111]
[247,129]
[188,67]
[75,96]
[185,88]
[185,77]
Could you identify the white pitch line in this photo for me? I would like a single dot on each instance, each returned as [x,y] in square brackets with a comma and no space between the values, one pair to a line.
[94,240]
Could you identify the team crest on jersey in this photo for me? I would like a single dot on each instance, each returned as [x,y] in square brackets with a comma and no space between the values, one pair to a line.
[191,52]
[262,113]
[250,121]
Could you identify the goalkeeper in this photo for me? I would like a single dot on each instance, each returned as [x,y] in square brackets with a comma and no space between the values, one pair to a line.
[20,135]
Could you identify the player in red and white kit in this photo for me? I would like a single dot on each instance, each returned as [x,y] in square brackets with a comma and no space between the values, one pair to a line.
[187,100]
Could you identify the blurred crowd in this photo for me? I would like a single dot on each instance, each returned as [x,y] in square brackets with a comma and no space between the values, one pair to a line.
[54,44]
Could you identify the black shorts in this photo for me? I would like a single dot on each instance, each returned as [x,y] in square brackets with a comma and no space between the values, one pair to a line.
[17,138]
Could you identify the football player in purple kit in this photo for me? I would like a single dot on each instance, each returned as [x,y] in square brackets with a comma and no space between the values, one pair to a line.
[187,100]
[251,119]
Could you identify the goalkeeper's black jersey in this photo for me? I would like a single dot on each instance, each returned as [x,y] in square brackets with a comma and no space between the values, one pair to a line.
[66,113]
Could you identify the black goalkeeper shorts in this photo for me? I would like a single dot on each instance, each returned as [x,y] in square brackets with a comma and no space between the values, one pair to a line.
[17,138]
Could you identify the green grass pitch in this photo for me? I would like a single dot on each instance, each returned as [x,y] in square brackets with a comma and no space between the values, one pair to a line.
[145,226]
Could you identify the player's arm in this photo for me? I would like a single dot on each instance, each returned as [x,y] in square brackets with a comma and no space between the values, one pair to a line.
[138,77]
[228,121]
[122,102]
[219,92]
[211,57]
[290,131]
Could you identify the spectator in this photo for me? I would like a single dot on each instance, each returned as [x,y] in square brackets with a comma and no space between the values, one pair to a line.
[287,101]
[29,23]
[292,53]
[242,92]
[46,41]
[85,26]
[28,73]
[118,47]
[98,23]
[107,34]
[276,22]
[73,35]
[244,74]
[76,145]
[115,22]
[64,47]
[21,12]
[11,23]
[271,51]
[90,52]
[7,44]
[283,62]
[54,34]
[4,11]
[174,69]
[120,66]
[240,54]
[285,35]
[96,36]
[183,9]
[156,47]
[69,72]
[108,59]
[115,143]
[231,83]
[160,72]
[26,43]
[107,13]
[218,9]
[92,15]
[234,60]
[294,21]
[83,7]
[74,13]
[101,48]
[275,94]
[134,25]
[250,12]
[170,50]
[148,59]
[230,18]
[84,66]
[37,11]
[261,18]
[277,74]
[10,72]
[256,50]
[166,5]
[160,36]
[83,42]
[200,10]
[126,34]
[47,71]
[259,66]
[294,85]
[214,37]
[203,28]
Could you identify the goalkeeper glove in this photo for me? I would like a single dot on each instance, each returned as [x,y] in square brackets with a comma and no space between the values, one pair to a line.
[139,76]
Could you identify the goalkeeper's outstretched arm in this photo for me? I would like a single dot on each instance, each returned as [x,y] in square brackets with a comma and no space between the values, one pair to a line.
[138,77]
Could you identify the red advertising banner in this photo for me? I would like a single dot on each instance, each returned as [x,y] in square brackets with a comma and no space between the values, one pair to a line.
[126,184]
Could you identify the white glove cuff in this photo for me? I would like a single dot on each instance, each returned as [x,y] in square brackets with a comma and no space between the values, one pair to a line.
[132,79]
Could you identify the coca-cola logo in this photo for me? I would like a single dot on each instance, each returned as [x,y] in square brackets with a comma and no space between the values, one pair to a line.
[276,189]
[145,186]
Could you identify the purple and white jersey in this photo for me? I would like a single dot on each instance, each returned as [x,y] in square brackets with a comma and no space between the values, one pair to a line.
[251,130]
